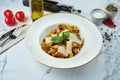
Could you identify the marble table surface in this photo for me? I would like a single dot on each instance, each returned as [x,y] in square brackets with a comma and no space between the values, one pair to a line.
[16,64]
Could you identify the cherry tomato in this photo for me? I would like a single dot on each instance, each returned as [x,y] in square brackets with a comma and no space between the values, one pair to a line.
[20,16]
[8,13]
[10,21]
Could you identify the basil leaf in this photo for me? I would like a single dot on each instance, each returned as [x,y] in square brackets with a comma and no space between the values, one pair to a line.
[56,39]
[65,35]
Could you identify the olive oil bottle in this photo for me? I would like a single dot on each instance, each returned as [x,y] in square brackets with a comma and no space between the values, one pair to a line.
[37,9]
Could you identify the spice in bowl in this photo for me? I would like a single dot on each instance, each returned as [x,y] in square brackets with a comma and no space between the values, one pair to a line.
[112,10]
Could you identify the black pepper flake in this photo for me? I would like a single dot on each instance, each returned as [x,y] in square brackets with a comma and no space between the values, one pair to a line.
[111,34]
[107,29]
[107,36]
[115,37]
[111,46]
[103,41]
[101,28]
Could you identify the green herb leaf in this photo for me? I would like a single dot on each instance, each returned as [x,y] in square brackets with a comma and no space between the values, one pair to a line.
[65,35]
[56,39]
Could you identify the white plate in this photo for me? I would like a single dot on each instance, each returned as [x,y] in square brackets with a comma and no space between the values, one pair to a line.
[90,32]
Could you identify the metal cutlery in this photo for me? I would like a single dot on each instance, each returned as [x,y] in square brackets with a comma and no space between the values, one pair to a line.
[19,33]
[12,35]
[2,37]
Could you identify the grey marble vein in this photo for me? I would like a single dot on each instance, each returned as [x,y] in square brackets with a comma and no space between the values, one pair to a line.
[112,61]
[4,64]
[48,71]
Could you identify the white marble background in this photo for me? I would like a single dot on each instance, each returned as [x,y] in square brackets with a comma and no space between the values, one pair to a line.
[16,64]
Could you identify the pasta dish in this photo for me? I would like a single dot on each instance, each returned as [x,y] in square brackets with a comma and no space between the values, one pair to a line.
[63,42]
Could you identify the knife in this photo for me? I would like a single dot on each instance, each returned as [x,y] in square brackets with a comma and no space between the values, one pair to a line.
[2,37]
[6,34]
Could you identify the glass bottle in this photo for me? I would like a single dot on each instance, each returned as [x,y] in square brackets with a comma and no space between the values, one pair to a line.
[37,9]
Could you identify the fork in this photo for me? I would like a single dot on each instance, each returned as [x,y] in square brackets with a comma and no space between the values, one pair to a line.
[14,35]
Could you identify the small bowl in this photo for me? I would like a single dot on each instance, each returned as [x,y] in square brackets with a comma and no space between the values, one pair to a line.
[98,15]
[111,13]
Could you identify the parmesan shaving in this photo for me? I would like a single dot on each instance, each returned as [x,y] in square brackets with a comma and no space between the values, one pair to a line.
[69,47]
[73,38]
[62,50]
[48,39]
